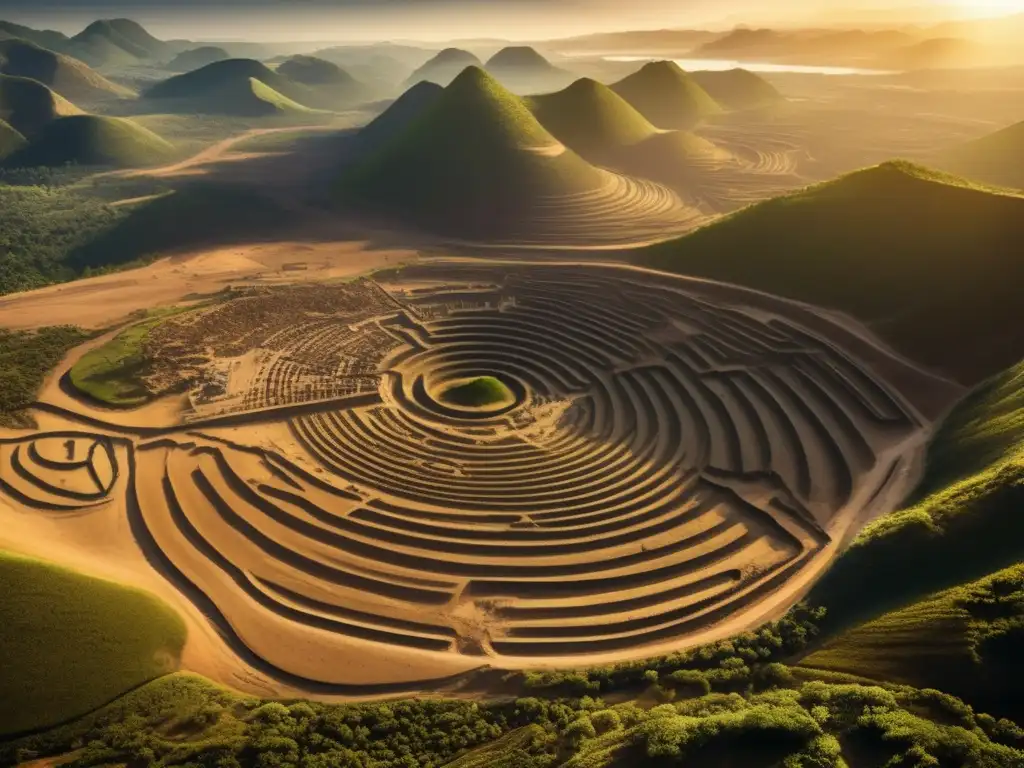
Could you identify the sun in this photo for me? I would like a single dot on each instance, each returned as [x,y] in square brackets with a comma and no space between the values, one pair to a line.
[982,8]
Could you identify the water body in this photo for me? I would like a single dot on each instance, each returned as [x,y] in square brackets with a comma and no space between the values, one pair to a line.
[719,65]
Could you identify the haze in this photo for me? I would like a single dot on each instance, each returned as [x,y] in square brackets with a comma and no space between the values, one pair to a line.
[361,20]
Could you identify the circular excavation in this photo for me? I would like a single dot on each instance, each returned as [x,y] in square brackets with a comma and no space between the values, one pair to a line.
[458,464]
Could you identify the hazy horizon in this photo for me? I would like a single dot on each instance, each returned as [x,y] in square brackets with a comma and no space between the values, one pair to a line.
[437,20]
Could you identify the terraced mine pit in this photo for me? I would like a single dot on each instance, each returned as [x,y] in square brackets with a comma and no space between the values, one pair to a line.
[382,484]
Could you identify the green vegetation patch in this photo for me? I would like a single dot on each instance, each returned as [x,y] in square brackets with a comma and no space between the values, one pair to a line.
[181,720]
[889,245]
[112,373]
[965,640]
[92,140]
[25,359]
[667,96]
[478,393]
[72,643]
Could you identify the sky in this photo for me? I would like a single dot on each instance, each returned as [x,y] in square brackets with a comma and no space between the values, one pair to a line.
[353,20]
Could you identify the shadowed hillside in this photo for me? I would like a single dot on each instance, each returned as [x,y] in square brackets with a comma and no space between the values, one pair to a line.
[933,595]
[310,70]
[194,58]
[667,96]
[92,140]
[44,38]
[10,140]
[931,262]
[737,88]
[472,160]
[233,86]
[996,159]
[402,111]
[444,67]
[69,77]
[28,105]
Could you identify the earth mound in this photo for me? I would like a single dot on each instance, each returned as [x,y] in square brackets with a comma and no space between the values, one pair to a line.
[477,164]
[484,392]
[928,257]
[69,77]
[311,70]
[195,58]
[92,140]
[737,88]
[667,96]
[232,86]
[400,113]
[44,38]
[28,105]
[997,158]
[523,69]
[590,118]
[444,67]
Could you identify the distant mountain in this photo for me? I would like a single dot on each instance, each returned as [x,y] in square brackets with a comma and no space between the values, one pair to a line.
[232,86]
[662,41]
[194,58]
[331,85]
[667,96]
[69,77]
[926,259]
[523,69]
[474,163]
[445,66]
[997,158]
[737,88]
[92,140]
[400,114]
[45,38]
[110,42]
[936,53]
[28,105]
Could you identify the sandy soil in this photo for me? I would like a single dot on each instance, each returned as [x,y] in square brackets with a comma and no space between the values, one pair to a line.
[680,461]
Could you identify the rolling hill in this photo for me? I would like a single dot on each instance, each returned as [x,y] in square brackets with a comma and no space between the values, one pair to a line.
[737,88]
[667,96]
[110,42]
[400,113]
[92,140]
[930,261]
[194,58]
[28,105]
[522,69]
[69,77]
[471,162]
[996,159]
[330,85]
[444,67]
[232,86]
[44,38]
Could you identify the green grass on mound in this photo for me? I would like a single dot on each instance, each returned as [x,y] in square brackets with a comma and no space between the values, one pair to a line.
[194,58]
[28,105]
[92,140]
[930,261]
[400,114]
[269,101]
[590,117]
[71,643]
[311,70]
[478,393]
[667,96]
[110,373]
[474,158]
[69,77]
